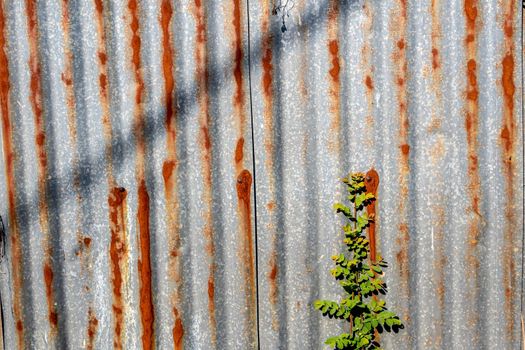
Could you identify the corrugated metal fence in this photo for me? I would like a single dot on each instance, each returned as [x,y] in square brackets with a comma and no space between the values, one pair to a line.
[169,169]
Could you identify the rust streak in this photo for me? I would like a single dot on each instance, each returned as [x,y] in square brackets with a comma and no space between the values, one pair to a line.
[144,263]
[334,76]
[202,78]
[238,61]
[178,331]
[118,252]
[169,169]
[399,28]
[92,329]
[35,99]
[9,154]
[508,137]
[244,185]
[239,155]
[144,267]
[372,182]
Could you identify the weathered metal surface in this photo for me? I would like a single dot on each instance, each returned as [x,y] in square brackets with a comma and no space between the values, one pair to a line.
[130,199]
[427,93]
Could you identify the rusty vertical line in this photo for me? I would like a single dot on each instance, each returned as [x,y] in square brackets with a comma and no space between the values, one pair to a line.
[35,98]
[372,182]
[104,88]
[202,78]
[244,186]
[9,154]
[92,329]
[334,77]
[118,253]
[472,129]
[399,31]
[268,125]
[169,169]
[246,246]
[508,137]
[144,263]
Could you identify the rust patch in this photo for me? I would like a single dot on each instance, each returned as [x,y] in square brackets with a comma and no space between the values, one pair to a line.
[271,206]
[333,48]
[144,267]
[267,66]
[87,241]
[206,138]
[239,154]
[405,149]
[9,154]
[118,252]
[178,331]
[48,279]
[369,83]
[273,275]
[435,58]
[244,185]
[92,329]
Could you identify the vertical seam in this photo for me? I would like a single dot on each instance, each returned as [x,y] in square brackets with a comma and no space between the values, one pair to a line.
[254,177]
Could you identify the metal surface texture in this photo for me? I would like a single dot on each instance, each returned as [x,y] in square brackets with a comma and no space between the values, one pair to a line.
[169,168]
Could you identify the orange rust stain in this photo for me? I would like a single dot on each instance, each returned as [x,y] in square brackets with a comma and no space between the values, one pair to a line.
[99,6]
[372,182]
[178,331]
[103,58]
[144,267]
[435,58]
[507,81]
[167,171]
[271,205]
[10,177]
[103,82]
[92,329]
[369,83]
[239,150]
[118,251]
[135,49]
[333,48]
[267,68]
[87,241]
[206,137]
[472,92]
[401,44]
[237,70]
[244,185]
[471,10]
[167,67]
[48,278]
[405,149]
[272,275]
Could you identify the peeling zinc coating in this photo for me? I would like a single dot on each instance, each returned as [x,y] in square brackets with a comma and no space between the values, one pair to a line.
[169,169]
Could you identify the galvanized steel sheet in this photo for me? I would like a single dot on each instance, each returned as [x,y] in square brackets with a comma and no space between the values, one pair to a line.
[169,169]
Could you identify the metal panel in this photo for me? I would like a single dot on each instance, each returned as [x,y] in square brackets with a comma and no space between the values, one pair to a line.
[127,155]
[427,93]
[130,197]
